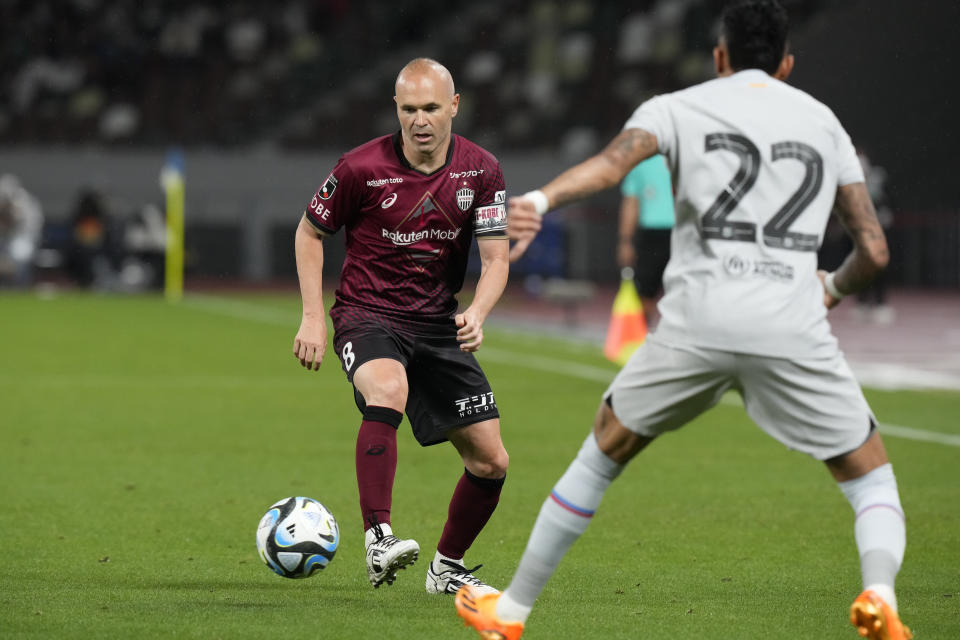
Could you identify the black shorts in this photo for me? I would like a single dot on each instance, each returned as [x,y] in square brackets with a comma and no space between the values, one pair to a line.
[653,253]
[446,386]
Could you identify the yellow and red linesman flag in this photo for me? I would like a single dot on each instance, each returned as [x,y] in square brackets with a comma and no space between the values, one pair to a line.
[628,327]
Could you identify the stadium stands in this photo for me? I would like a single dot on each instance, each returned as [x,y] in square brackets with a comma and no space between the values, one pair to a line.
[295,73]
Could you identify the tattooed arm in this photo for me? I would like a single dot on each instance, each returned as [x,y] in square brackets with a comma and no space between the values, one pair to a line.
[870,254]
[600,172]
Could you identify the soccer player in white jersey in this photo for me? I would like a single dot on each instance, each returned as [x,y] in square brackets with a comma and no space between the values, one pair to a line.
[758,166]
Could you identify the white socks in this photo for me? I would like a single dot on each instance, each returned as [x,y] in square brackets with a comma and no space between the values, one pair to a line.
[879,529]
[563,518]
[370,537]
[438,567]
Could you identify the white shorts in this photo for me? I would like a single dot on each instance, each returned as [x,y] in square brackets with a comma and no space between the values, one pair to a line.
[812,405]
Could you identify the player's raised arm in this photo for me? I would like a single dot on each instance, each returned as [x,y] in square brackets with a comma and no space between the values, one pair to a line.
[494,269]
[311,340]
[870,254]
[600,172]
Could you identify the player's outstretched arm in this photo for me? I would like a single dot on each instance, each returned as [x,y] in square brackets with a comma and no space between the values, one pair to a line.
[600,172]
[870,254]
[311,341]
[494,269]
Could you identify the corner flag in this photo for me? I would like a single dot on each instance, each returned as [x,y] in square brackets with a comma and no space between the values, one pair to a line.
[628,327]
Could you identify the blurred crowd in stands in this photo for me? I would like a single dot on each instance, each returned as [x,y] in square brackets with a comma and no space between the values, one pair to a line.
[21,228]
[103,246]
[300,73]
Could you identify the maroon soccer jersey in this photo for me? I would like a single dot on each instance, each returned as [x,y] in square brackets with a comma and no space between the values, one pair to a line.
[408,233]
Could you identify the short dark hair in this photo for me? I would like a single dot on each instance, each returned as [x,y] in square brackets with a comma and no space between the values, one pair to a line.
[755,32]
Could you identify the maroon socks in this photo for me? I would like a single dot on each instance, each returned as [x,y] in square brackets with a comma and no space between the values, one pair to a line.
[376,462]
[471,506]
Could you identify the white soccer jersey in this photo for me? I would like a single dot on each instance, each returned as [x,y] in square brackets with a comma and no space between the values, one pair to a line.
[756,165]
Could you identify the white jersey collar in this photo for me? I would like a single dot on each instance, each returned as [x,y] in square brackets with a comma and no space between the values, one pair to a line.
[753,75]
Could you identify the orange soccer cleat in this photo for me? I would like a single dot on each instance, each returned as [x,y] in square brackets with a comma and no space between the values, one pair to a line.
[875,620]
[479,610]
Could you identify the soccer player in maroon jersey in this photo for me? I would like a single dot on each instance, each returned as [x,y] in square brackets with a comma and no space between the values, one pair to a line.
[411,204]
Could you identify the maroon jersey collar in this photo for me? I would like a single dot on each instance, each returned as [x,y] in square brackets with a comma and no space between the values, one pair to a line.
[398,148]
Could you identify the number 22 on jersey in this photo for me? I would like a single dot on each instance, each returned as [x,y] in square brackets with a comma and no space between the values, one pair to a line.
[776,231]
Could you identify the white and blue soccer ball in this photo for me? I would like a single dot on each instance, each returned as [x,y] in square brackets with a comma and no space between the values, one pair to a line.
[297,537]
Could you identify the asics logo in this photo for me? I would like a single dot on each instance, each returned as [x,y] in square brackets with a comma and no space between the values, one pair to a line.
[389,201]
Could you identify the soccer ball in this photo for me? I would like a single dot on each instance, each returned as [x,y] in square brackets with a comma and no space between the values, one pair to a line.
[297,537]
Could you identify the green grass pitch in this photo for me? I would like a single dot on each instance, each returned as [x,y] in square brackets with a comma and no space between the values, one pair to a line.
[140,442]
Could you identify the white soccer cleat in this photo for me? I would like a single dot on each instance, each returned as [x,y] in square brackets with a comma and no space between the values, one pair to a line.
[451,576]
[387,554]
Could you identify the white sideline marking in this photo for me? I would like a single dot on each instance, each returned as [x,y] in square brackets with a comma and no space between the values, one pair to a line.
[895,430]
[172,381]
[242,310]
[919,434]
[550,365]
[894,377]
[267,315]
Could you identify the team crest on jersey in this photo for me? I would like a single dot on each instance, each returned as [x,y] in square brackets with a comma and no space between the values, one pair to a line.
[464,198]
[328,187]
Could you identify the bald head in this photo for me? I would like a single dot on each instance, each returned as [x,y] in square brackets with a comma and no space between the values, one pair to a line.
[421,70]
[426,105]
